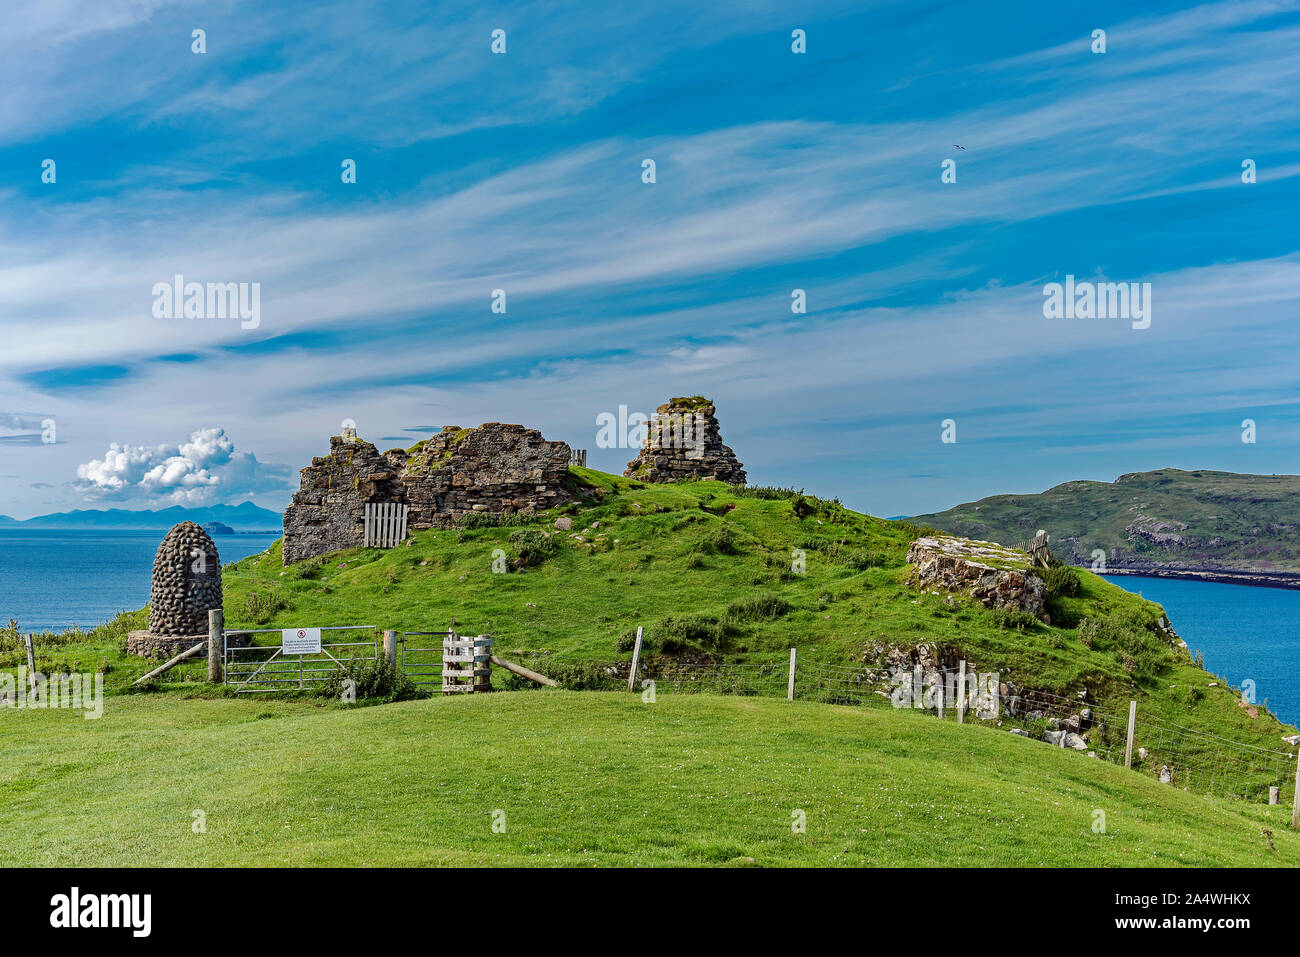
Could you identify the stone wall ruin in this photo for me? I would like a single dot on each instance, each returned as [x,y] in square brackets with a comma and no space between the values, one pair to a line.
[493,468]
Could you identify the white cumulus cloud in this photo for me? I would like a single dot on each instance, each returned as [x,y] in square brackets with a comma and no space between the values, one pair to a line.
[200,471]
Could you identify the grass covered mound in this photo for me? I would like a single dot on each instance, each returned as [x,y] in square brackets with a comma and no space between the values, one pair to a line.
[713,572]
[585,778]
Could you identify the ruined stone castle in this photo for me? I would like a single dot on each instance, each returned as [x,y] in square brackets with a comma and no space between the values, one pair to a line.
[494,468]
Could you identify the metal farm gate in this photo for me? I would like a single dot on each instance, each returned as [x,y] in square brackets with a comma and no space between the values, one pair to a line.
[423,665]
[267,668]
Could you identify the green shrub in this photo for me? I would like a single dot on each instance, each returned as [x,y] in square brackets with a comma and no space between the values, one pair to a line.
[679,632]
[532,547]
[261,607]
[1014,619]
[374,681]
[584,676]
[768,492]
[759,607]
[802,507]
[1062,581]
[721,541]
[1143,653]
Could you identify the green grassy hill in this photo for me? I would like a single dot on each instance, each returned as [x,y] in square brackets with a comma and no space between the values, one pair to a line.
[584,778]
[1167,519]
[707,569]
[715,574]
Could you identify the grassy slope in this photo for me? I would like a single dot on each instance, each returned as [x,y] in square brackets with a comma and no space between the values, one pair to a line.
[584,778]
[1256,516]
[655,554]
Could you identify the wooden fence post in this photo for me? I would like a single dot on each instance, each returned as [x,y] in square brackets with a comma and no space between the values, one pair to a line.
[961,692]
[1132,724]
[31,664]
[789,688]
[390,649]
[1295,801]
[636,660]
[216,644]
[482,664]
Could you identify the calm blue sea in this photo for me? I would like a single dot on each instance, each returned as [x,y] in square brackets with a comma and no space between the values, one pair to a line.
[55,579]
[1244,632]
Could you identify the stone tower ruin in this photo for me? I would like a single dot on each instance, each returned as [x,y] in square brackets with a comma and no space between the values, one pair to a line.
[683,442]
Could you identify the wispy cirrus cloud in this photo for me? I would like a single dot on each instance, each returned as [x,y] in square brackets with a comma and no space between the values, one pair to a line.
[773,173]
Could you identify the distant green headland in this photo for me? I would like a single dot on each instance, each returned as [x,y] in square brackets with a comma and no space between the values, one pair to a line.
[1169,522]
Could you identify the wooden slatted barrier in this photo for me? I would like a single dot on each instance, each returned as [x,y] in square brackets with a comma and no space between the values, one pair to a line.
[385,524]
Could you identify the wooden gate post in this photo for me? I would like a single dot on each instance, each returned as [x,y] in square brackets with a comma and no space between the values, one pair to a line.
[789,688]
[961,692]
[1295,801]
[636,660]
[482,664]
[31,665]
[390,649]
[216,644]
[1132,724]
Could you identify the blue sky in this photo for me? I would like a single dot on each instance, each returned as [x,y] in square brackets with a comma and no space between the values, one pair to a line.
[522,171]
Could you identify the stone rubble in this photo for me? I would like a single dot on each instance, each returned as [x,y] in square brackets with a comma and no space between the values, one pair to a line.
[996,576]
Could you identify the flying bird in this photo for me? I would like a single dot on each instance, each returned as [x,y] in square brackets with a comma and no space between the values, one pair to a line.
[956,147]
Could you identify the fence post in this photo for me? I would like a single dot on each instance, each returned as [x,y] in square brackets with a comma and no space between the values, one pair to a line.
[961,692]
[1295,801]
[1273,793]
[31,664]
[789,688]
[1132,724]
[390,649]
[636,660]
[482,664]
[216,644]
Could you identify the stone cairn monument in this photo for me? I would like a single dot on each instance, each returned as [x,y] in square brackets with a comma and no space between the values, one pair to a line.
[186,585]
[683,442]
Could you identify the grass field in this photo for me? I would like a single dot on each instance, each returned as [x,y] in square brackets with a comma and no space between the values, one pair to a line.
[583,778]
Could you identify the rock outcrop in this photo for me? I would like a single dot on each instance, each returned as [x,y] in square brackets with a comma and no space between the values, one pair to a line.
[494,468]
[995,575]
[186,586]
[683,442]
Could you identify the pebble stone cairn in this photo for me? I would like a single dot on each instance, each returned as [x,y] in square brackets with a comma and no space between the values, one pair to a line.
[186,585]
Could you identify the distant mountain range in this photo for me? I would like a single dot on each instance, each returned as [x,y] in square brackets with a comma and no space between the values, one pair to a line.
[245,517]
[1169,523]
